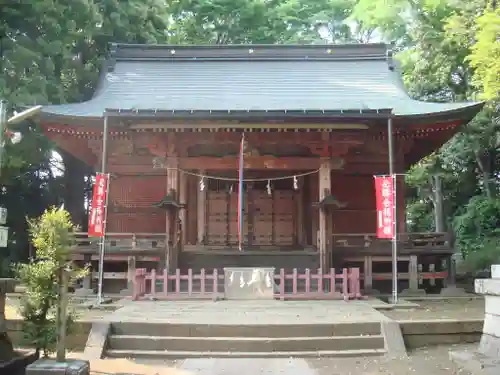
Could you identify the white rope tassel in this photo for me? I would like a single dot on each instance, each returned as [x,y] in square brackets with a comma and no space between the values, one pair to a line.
[223,178]
[268,281]
[295,183]
[202,184]
[268,187]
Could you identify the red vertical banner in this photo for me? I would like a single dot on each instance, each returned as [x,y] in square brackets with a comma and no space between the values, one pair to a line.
[97,214]
[384,194]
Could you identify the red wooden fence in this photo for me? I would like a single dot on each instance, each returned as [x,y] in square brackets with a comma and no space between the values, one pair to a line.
[295,285]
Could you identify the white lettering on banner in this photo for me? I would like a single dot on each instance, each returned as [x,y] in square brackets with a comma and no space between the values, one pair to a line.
[387,221]
[97,210]
[386,192]
[387,230]
[385,206]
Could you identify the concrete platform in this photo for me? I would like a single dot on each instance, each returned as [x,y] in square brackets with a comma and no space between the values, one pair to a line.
[247,312]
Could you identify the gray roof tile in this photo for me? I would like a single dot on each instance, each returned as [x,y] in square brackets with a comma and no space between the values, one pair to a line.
[201,83]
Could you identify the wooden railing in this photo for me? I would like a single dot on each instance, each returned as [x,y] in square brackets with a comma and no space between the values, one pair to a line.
[308,285]
[148,241]
[123,241]
[436,275]
[406,241]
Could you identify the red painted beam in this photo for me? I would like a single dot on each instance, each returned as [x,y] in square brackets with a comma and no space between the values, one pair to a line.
[251,162]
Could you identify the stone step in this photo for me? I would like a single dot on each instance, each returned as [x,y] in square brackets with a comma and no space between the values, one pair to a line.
[248,330]
[245,344]
[171,355]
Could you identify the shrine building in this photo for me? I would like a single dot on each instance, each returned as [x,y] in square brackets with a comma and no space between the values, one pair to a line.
[315,125]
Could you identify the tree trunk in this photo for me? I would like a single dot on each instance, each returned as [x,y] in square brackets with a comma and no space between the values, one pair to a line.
[488,188]
[484,166]
[74,188]
[438,204]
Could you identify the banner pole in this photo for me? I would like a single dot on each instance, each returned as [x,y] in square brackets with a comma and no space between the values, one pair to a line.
[240,195]
[103,238]
[390,140]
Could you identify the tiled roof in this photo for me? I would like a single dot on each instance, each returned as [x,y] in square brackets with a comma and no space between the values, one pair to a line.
[252,78]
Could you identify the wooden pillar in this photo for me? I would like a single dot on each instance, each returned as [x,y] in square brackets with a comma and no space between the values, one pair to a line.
[201,212]
[250,214]
[413,271]
[300,212]
[368,274]
[86,288]
[131,267]
[324,191]
[183,192]
[171,218]
[313,196]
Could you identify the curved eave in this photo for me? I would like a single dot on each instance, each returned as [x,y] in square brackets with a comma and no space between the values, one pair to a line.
[448,112]
[463,112]
[155,114]
[431,141]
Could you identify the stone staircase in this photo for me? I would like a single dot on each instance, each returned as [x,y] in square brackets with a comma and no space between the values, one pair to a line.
[180,341]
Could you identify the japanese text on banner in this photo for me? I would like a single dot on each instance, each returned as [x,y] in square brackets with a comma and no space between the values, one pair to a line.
[97,213]
[384,194]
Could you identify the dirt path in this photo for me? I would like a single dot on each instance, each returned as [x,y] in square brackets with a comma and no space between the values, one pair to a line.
[12,312]
[429,361]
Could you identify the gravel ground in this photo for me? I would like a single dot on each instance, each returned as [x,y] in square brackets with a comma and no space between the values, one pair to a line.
[442,309]
[12,312]
[429,361]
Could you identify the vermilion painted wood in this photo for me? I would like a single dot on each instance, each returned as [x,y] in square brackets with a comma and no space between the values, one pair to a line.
[326,284]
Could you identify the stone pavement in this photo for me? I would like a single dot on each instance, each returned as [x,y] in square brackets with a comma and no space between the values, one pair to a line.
[247,312]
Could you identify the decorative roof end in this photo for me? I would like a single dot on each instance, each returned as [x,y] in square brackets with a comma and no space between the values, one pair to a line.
[113,47]
[390,60]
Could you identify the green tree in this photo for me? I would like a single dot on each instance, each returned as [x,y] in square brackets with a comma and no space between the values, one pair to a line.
[52,236]
[51,52]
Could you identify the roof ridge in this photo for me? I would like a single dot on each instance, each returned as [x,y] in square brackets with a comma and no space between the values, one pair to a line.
[155,52]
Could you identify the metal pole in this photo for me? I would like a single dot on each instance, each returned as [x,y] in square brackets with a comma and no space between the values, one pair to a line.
[103,238]
[3,124]
[390,139]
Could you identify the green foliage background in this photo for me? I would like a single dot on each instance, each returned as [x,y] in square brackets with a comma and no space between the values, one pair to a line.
[51,52]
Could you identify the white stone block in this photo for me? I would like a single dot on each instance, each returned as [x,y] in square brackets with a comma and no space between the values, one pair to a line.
[492,304]
[495,271]
[249,283]
[487,286]
[490,346]
[491,325]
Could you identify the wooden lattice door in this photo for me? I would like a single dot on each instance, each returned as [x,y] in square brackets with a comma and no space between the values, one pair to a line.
[217,217]
[233,218]
[284,227]
[262,219]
